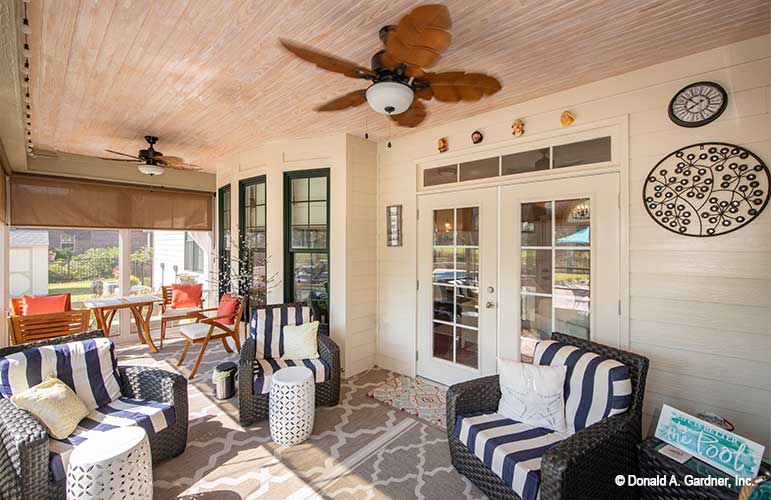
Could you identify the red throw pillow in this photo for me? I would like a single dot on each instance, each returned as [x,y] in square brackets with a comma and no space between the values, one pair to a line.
[186,295]
[43,304]
[228,305]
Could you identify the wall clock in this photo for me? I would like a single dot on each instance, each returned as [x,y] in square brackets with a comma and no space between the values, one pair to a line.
[698,104]
[707,189]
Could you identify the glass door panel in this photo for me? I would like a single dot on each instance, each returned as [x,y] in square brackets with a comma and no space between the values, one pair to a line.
[555,270]
[456,284]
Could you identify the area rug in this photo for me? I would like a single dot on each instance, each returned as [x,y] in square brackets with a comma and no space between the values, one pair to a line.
[414,396]
[360,449]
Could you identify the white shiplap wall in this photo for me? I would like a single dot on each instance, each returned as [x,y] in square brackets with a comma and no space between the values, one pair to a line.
[700,308]
[352,164]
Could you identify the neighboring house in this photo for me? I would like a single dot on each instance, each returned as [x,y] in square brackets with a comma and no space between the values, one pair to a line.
[181,256]
[28,271]
[80,240]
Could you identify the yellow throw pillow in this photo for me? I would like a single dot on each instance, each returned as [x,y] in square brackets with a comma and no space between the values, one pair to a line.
[300,341]
[57,406]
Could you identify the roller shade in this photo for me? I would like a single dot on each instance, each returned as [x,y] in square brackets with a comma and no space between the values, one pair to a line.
[62,202]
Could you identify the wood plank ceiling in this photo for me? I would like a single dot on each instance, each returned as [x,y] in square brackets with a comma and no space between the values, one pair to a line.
[210,79]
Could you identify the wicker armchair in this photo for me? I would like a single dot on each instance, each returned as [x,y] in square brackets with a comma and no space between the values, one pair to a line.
[24,455]
[582,466]
[254,407]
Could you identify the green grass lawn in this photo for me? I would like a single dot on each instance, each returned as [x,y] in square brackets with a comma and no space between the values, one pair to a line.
[80,290]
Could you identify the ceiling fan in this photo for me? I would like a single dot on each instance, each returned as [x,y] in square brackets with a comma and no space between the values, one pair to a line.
[397,71]
[152,162]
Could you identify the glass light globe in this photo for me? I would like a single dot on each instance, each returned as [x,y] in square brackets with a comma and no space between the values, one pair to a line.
[389,98]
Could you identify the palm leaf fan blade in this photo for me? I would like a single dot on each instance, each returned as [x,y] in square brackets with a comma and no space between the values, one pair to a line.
[413,117]
[325,61]
[421,36]
[457,86]
[349,100]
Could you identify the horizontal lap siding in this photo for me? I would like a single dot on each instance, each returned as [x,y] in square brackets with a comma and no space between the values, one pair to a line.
[361,289]
[700,308]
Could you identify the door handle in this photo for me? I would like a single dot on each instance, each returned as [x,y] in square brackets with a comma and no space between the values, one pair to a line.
[490,304]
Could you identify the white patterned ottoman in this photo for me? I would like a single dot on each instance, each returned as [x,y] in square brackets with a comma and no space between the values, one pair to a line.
[292,405]
[116,466]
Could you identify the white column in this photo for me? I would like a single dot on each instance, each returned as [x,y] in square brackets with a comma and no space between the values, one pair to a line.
[5,252]
[124,264]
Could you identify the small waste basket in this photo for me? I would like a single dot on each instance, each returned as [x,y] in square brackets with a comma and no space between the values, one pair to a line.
[224,379]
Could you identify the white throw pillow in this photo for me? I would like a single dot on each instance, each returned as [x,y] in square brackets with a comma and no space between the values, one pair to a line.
[300,341]
[55,405]
[532,394]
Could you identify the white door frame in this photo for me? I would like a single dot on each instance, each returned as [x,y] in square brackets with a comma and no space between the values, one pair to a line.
[618,129]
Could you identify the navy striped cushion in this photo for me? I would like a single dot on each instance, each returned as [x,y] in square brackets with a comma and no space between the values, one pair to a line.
[265,368]
[511,449]
[596,387]
[89,367]
[267,327]
[152,416]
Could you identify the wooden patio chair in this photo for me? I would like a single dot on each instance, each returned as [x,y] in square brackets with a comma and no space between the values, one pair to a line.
[36,327]
[211,328]
[169,314]
[16,304]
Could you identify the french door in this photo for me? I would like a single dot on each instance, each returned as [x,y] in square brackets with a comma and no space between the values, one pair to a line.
[559,255]
[456,284]
[509,265]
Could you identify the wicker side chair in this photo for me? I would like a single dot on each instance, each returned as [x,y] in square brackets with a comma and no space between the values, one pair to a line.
[582,466]
[254,407]
[24,452]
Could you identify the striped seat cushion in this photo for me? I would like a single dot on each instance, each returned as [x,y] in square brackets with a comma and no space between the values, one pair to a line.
[596,387]
[267,327]
[89,367]
[265,368]
[152,416]
[511,449]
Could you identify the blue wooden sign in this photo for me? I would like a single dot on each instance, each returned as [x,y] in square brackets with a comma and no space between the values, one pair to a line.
[725,450]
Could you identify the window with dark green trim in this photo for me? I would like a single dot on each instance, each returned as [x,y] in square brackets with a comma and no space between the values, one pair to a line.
[306,233]
[252,227]
[224,238]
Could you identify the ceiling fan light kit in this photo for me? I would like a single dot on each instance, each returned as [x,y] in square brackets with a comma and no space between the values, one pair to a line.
[389,98]
[150,169]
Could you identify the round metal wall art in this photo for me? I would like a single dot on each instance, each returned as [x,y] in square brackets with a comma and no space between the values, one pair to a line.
[707,189]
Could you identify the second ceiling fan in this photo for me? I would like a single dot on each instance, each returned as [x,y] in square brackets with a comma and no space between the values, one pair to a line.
[400,81]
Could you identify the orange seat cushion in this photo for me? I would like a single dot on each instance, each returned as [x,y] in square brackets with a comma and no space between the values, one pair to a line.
[186,295]
[228,306]
[43,304]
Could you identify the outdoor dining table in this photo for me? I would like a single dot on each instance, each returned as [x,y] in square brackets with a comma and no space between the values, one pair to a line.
[141,307]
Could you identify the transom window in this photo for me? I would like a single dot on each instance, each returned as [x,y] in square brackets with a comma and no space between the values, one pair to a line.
[560,156]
